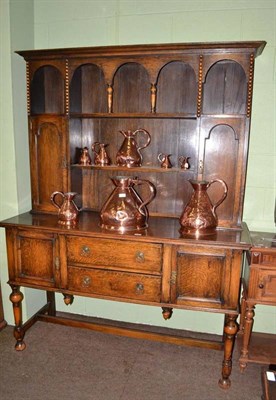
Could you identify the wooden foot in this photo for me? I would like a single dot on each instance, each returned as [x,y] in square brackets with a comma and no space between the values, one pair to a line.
[167,312]
[224,383]
[68,299]
[16,298]
[243,365]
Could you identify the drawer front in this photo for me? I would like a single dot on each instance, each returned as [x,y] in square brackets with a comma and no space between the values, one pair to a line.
[114,253]
[114,284]
[264,257]
[263,284]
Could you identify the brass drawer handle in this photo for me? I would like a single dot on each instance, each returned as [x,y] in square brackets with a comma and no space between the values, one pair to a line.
[86,281]
[140,256]
[139,288]
[85,250]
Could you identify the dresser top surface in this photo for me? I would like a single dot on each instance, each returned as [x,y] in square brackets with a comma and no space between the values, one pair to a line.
[266,240]
[160,230]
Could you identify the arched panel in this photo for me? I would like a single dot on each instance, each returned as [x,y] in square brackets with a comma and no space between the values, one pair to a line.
[48,162]
[176,88]
[88,90]
[225,89]
[221,162]
[131,89]
[47,91]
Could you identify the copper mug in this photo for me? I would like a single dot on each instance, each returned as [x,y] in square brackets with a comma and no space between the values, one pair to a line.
[67,210]
[165,160]
[101,156]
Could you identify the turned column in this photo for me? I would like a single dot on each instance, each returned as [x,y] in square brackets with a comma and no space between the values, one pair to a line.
[248,325]
[16,298]
[230,331]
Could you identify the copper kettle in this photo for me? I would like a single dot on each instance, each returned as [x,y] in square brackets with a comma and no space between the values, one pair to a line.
[124,210]
[129,154]
[199,217]
[101,156]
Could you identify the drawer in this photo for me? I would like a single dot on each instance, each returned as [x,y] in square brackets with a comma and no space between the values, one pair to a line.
[114,253]
[264,257]
[262,285]
[114,284]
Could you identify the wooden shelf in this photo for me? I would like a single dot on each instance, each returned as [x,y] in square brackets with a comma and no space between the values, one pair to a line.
[135,115]
[262,348]
[136,169]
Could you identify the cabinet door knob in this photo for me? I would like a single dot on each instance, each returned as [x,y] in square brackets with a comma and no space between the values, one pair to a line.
[86,281]
[140,256]
[261,285]
[139,288]
[85,250]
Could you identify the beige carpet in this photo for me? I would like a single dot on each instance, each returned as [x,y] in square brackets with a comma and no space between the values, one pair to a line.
[62,363]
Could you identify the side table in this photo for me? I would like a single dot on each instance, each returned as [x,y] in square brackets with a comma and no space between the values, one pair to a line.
[259,287]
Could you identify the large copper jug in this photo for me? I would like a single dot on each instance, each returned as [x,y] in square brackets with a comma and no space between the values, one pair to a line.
[199,216]
[124,210]
[67,209]
[129,154]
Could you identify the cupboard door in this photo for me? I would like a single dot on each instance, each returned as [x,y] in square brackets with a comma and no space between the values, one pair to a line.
[263,284]
[206,277]
[37,259]
[48,160]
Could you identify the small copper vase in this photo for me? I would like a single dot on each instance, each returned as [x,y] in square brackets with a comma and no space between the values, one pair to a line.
[199,217]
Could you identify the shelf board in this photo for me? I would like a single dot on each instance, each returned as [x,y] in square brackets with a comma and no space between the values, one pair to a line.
[135,115]
[262,348]
[140,169]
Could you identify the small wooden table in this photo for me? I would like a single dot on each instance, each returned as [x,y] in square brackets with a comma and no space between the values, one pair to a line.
[259,287]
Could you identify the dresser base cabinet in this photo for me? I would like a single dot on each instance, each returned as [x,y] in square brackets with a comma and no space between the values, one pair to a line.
[159,268]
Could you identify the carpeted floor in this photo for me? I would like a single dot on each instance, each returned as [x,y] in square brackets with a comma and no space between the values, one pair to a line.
[64,363]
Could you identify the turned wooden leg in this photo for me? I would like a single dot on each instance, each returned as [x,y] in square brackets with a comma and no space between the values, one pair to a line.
[230,331]
[248,325]
[167,312]
[16,298]
[68,299]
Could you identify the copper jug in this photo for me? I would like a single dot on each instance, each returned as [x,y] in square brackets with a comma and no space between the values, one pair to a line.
[164,160]
[129,154]
[184,163]
[67,211]
[199,217]
[124,210]
[85,158]
[101,156]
